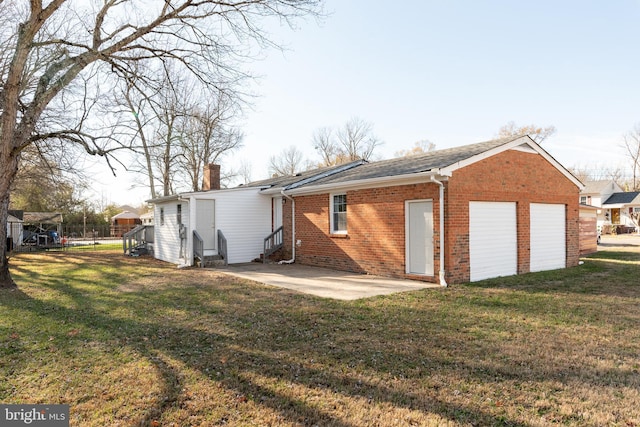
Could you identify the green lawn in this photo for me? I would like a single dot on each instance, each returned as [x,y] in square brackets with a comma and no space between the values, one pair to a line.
[133,341]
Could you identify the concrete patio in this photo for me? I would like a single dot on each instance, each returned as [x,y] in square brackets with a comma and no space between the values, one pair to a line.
[323,282]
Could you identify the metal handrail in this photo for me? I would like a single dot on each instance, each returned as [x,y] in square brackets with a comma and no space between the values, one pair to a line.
[198,248]
[272,243]
[222,247]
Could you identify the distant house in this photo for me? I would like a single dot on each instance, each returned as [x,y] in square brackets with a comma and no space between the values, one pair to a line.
[147,218]
[618,210]
[484,210]
[15,228]
[123,222]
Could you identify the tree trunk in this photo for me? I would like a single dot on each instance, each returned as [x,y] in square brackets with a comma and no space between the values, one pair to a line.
[9,170]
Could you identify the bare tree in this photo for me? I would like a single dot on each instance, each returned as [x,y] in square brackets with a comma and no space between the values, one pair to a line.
[419,147]
[289,162]
[58,58]
[353,141]
[356,140]
[537,133]
[245,172]
[207,137]
[631,142]
[324,143]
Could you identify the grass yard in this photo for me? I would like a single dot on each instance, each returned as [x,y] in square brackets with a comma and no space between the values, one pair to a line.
[133,341]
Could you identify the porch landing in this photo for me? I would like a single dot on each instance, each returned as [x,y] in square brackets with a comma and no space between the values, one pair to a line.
[323,282]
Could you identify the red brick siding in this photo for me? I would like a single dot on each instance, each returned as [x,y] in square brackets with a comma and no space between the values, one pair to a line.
[375,242]
[511,176]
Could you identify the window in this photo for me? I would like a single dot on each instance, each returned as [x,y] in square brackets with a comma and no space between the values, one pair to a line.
[179,214]
[583,200]
[161,216]
[339,214]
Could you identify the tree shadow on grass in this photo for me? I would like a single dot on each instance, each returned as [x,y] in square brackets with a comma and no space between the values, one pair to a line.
[161,341]
[257,343]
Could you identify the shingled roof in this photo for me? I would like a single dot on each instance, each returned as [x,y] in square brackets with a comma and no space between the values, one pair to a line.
[625,198]
[597,187]
[429,161]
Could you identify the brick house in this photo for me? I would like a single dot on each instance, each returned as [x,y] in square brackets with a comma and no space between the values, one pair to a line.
[508,208]
[484,210]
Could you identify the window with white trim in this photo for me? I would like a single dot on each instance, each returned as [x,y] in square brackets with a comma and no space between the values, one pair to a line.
[339,214]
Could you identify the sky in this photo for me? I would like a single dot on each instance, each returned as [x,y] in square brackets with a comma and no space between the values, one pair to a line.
[449,71]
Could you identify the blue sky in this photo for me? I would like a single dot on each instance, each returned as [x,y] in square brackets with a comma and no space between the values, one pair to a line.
[452,72]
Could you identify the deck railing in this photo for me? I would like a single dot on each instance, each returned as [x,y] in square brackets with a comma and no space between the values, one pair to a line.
[198,248]
[272,243]
[141,235]
[222,247]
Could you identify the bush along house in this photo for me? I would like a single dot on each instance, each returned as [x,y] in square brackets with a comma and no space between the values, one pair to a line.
[462,214]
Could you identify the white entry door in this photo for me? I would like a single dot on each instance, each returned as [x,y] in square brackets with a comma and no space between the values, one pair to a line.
[205,222]
[548,236]
[419,237]
[277,212]
[493,240]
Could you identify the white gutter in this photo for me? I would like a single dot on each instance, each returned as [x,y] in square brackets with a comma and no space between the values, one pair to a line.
[293,229]
[441,272]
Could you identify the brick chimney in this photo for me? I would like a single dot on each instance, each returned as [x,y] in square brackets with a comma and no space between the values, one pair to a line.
[211,177]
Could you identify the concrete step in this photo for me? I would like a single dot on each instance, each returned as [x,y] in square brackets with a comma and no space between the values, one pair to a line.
[212,261]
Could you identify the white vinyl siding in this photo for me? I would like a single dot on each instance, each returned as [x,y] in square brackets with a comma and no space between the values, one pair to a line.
[493,242]
[166,245]
[548,237]
[244,216]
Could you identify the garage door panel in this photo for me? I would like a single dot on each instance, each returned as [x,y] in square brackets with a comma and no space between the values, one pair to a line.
[493,245]
[548,236]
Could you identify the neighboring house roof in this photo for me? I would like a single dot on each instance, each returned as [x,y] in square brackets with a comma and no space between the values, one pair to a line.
[42,217]
[585,206]
[147,215]
[12,218]
[624,198]
[127,208]
[598,187]
[125,215]
[17,214]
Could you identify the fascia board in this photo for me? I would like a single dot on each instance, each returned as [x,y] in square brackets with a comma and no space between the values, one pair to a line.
[272,190]
[387,181]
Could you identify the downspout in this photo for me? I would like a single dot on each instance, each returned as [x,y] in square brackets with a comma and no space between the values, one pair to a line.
[441,272]
[293,229]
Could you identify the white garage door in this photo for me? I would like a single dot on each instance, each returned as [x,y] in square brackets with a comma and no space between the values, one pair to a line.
[548,237]
[493,242]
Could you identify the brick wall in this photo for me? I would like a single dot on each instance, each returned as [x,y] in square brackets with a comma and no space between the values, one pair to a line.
[512,176]
[375,242]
